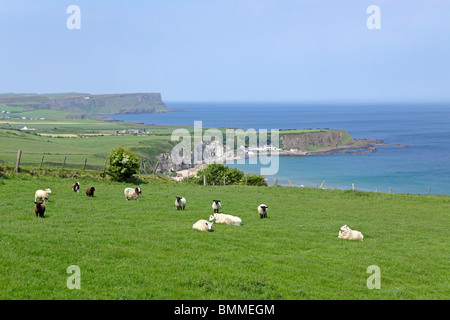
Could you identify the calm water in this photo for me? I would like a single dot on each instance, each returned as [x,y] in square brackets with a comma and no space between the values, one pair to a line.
[409,170]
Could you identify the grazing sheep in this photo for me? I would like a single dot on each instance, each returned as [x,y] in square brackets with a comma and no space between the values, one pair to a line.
[216,205]
[226,219]
[132,193]
[180,203]
[203,225]
[76,187]
[346,233]
[90,191]
[41,194]
[262,210]
[39,209]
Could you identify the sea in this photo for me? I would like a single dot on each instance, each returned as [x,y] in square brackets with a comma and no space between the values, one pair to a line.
[422,168]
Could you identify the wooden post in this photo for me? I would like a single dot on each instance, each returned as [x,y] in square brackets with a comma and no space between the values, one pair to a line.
[276,182]
[353,186]
[290,183]
[64,163]
[104,168]
[19,154]
[376,190]
[156,168]
[246,178]
[390,190]
[204,180]
[429,190]
[85,161]
[321,186]
[42,160]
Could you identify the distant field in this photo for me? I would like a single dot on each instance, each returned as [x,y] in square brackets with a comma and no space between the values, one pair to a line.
[148,250]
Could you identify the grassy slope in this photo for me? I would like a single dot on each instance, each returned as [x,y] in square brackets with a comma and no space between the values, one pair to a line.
[147,249]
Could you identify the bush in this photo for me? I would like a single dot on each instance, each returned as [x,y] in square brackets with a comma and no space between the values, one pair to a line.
[254,180]
[215,174]
[122,163]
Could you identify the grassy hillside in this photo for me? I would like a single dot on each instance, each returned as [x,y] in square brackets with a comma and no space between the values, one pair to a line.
[148,250]
[88,103]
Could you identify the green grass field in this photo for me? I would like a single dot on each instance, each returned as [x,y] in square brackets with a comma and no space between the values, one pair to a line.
[147,249]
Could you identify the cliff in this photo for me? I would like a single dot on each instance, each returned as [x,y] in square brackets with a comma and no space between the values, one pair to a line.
[312,140]
[85,103]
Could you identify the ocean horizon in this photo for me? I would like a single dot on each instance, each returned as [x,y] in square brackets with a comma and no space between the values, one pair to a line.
[425,127]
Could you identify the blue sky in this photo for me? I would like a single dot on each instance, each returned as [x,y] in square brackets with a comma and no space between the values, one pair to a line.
[230,50]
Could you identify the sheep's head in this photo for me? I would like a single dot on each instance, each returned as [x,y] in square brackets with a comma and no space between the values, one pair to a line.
[344,228]
[216,201]
[210,226]
[212,217]
[138,190]
[48,190]
[178,199]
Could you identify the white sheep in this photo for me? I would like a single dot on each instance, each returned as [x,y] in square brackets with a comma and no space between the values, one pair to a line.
[41,194]
[346,233]
[180,203]
[132,193]
[203,225]
[262,210]
[216,205]
[226,219]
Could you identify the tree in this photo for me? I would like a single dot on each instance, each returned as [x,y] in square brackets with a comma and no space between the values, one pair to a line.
[122,163]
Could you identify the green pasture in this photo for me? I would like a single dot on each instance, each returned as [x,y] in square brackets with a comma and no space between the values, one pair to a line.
[147,249]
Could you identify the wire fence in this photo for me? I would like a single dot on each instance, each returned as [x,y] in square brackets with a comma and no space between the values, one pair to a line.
[46,161]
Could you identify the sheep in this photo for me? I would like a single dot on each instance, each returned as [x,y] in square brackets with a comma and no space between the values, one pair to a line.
[76,187]
[346,233]
[180,203]
[39,209]
[132,193]
[226,219]
[262,210]
[216,205]
[90,191]
[203,225]
[41,194]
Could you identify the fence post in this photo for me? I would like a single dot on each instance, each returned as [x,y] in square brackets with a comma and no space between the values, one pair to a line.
[104,168]
[246,178]
[429,190]
[84,167]
[390,189]
[64,163]
[19,154]
[353,186]
[290,183]
[42,160]
[276,182]
[204,180]
[321,186]
[224,181]
[156,168]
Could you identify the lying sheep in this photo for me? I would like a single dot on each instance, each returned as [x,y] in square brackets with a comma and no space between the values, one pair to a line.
[39,209]
[43,195]
[90,191]
[133,193]
[346,233]
[262,210]
[180,203]
[226,219]
[203,225]
[76,187]
[216,205]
